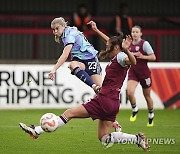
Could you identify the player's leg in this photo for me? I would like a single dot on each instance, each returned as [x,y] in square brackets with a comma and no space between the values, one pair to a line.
[94,70]
[108,139]
[146,92]
[131,86]
[78,69]
[76,112]
[97,79]
[104,128]
[146,85]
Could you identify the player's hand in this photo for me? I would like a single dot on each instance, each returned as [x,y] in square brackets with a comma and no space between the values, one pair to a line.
[51,75]
[127,42]
[93,25]
[139,55]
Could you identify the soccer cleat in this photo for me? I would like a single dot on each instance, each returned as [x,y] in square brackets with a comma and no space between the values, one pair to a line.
[30,130]
[96,89]
[142,141]
[150,123]
[133,116]
[117,126]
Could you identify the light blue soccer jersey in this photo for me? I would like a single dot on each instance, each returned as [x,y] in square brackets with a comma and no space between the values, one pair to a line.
[81,49]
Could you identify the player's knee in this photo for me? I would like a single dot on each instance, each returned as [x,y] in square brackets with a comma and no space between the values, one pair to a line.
[72,65]
[130,92]
[147,97]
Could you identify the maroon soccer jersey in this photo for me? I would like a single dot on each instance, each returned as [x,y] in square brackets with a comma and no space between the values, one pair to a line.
[140,70]
[105,105]
[113,81]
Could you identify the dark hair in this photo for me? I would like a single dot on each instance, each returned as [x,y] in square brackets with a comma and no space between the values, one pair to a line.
[137,26]
[114,40]
[117,40]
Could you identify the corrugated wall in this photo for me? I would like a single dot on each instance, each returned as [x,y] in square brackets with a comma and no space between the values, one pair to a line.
[16,46]
[22,47]
[170,48]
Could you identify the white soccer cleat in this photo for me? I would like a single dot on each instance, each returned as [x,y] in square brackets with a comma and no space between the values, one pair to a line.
[30,130]
[142,141]
[117,126]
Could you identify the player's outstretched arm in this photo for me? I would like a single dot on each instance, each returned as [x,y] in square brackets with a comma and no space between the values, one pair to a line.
[101,34]
[61,60]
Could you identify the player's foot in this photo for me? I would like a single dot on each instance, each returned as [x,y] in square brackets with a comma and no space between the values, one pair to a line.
[107,141]
[96,89]
[117,126]
[142,141]
[133,116]
[30,130]
[150,123]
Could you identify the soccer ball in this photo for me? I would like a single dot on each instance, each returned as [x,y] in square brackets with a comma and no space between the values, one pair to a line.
[49,122]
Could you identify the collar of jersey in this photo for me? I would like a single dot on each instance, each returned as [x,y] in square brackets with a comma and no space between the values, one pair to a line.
[64,33]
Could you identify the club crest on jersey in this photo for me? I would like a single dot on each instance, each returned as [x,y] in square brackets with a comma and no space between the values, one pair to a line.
[137,48]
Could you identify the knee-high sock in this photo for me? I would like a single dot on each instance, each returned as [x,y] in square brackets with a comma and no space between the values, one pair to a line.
[83,76]
[62,120]
[151,114]
[39,130]
[120,137]
[134,108]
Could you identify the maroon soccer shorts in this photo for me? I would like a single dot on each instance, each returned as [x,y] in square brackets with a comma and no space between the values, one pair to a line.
[103,108]
[145,82]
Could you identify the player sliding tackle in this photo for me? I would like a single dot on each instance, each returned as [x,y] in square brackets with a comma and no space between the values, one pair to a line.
[105,105]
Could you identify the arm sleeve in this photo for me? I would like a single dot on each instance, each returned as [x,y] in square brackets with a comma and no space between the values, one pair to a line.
[147,48]
[69,40]
[121,58]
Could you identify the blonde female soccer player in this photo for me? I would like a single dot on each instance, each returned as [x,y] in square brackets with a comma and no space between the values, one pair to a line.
[84,62]
[105,105]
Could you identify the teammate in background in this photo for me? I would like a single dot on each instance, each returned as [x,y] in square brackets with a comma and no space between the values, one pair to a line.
[140,73]
[84,63]
[105,105]
[81,17]
[122,21]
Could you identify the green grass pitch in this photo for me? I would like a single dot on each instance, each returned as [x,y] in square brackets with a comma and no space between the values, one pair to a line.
[80,135]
